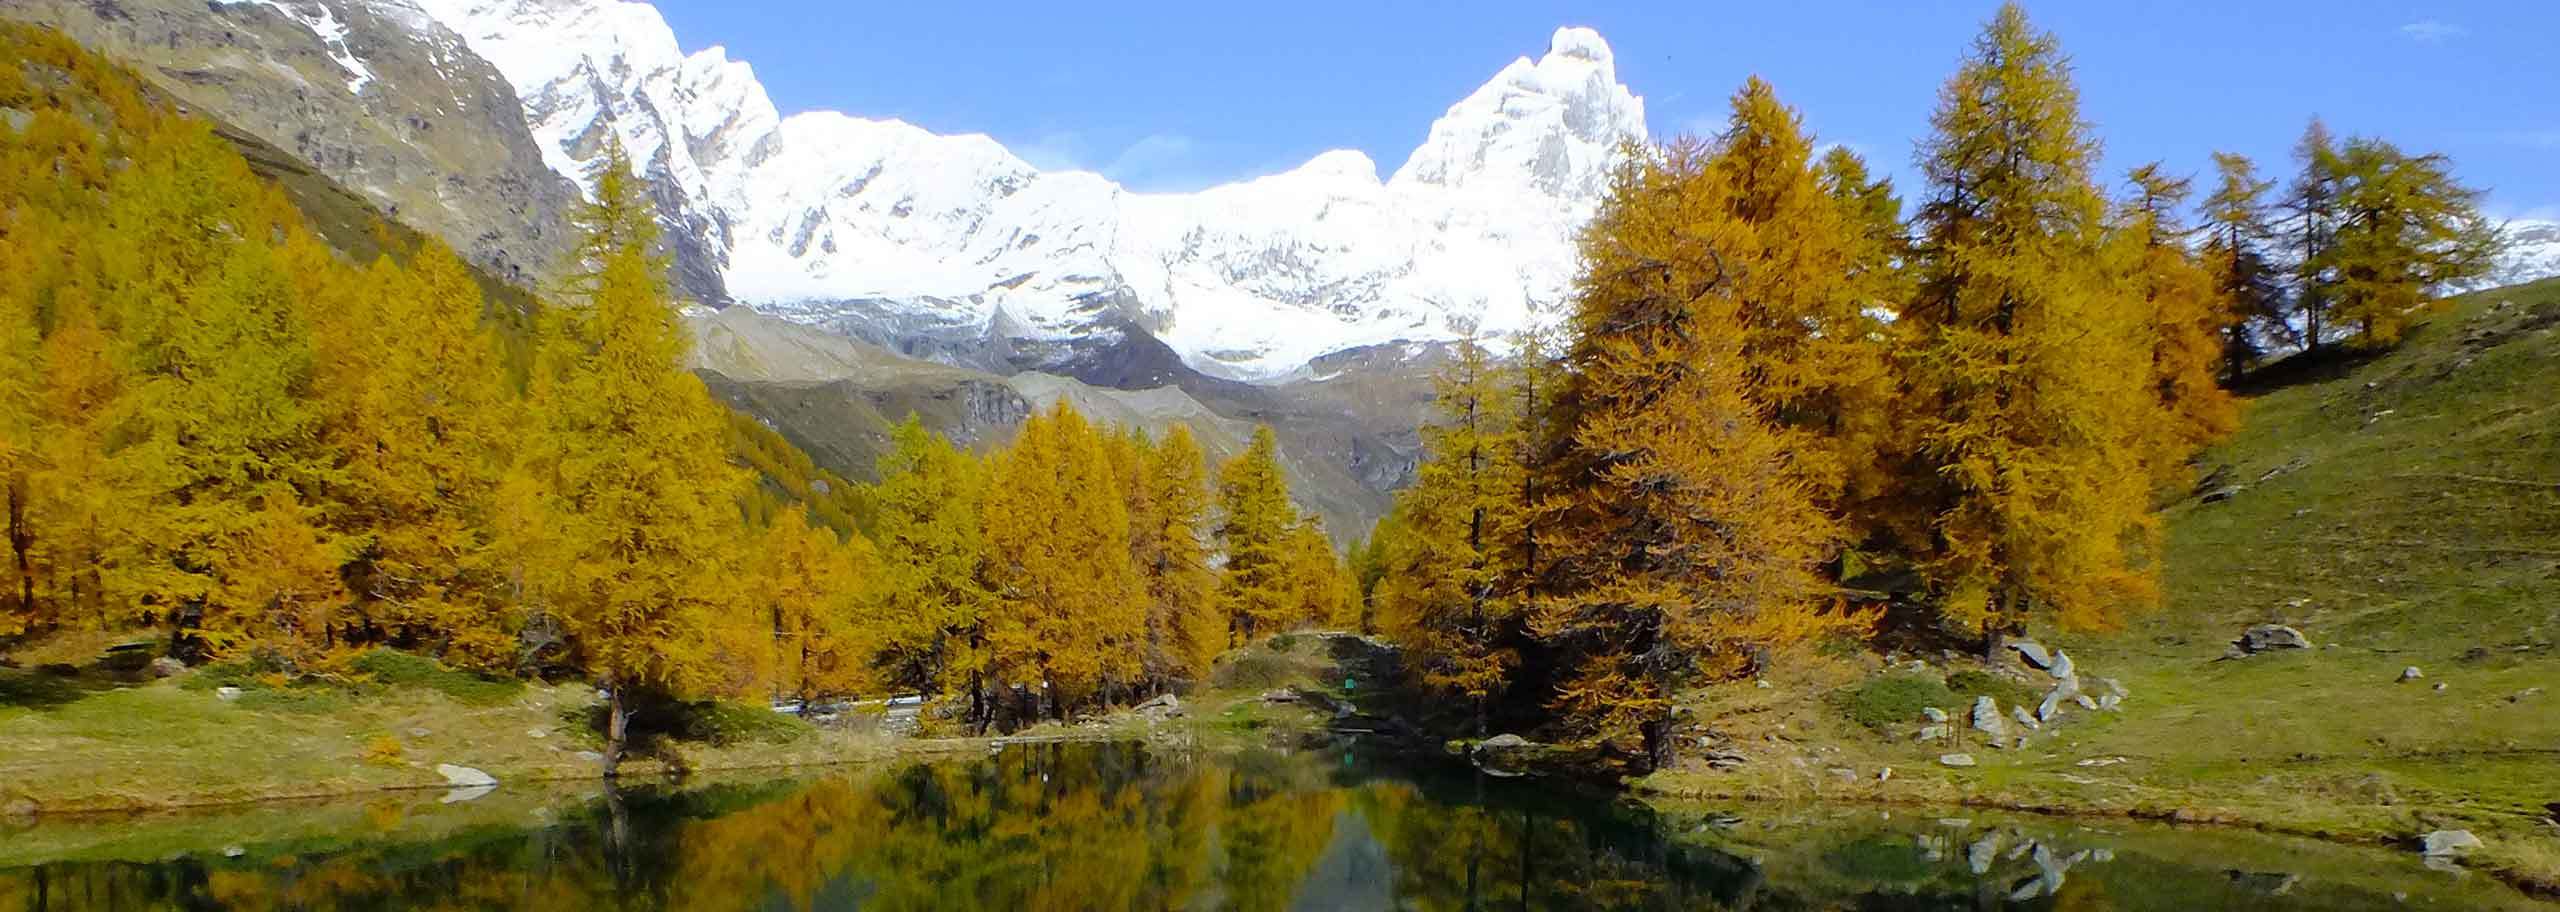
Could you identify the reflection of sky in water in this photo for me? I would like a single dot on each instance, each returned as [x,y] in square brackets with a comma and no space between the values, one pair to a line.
[1110,827]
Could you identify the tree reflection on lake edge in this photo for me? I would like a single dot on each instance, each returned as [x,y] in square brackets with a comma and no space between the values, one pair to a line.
[1088,826]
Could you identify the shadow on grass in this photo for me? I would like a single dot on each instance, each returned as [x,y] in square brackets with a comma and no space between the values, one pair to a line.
[39,689]
[2305,368]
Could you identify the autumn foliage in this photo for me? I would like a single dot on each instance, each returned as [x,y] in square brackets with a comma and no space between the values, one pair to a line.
[215,425]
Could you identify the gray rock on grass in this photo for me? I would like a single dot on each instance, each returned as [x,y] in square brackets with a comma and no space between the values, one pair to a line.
[464,776]
[2448,843]
[2265,638]
[1987,720]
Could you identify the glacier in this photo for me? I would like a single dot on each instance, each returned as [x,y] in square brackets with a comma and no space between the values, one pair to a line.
[887,230]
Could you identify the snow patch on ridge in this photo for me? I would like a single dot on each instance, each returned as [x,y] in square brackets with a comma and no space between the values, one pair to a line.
[324,24]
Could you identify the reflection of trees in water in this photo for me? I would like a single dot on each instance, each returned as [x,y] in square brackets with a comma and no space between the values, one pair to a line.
[1105,827]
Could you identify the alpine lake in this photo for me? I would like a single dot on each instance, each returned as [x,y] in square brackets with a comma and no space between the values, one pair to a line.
[1075,826]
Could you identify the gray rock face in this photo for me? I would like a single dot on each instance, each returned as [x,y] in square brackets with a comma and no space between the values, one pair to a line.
[2019,713]
[2062,667]
[1163,706]
[2448,843]
[464,776]
[164,667]
[2064,691]
[1936,732]
[2033,652]
[2268,638]
[1987,720]
[2411,673]
[393,107]
[1933,713]
[1955,760]
[1502,742]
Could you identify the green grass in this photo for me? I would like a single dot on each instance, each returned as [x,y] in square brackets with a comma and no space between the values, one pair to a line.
[2402,509]
[1895,701]
[399,669]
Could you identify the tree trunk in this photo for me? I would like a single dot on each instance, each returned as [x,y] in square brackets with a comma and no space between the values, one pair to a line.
[617,723]
[22,540]
[1657,742]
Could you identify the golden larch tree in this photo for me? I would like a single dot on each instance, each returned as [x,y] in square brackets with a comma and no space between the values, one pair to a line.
[2027,367]
[631,455]
[1680,538]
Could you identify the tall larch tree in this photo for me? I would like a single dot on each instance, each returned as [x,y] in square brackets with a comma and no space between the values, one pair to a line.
[218,431]
[1867,431]
[2312,202]
[2027,368]
[421,417]
[932,540]
[77,501]
[816,589]
[1069,612]
[2188,319]
[2406,230]
[1450,588]
[2238,233]
[1681,541]
[632,455]
[1254,517]
[1168,490]
[1811,345]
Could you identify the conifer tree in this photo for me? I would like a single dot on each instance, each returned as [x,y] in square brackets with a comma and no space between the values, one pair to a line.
[2188,319]
[632,456]
[20,394]
[421,416]
[2237,235]
[1449,591]
[1680,538]
[1168,488]
[1069,612]
[2313,201]
[2027,367]
[1254,517]
[222,430]
[815,586]
[2405,230]
[1809,277]
[931,536]
[78,503]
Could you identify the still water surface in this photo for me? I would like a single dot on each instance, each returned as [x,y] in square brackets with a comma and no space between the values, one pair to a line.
[1124,827]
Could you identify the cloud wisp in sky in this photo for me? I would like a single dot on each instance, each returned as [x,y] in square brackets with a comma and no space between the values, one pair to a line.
[1155,162]
[2430,31]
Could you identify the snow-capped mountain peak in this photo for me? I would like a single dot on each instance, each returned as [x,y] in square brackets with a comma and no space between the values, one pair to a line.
[944,245]
[1553,124]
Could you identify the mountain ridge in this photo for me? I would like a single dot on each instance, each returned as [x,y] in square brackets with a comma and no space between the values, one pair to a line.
[953,247]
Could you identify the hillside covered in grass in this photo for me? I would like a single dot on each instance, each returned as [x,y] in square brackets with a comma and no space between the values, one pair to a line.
[2400,510]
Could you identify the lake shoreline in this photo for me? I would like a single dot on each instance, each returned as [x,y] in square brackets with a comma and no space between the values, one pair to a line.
[1688,786]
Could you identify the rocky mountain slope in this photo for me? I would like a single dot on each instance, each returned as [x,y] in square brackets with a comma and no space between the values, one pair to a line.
[374,94]
[1346,441]
[953,248]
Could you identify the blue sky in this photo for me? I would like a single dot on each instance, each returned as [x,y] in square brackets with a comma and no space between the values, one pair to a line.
[1174,96]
